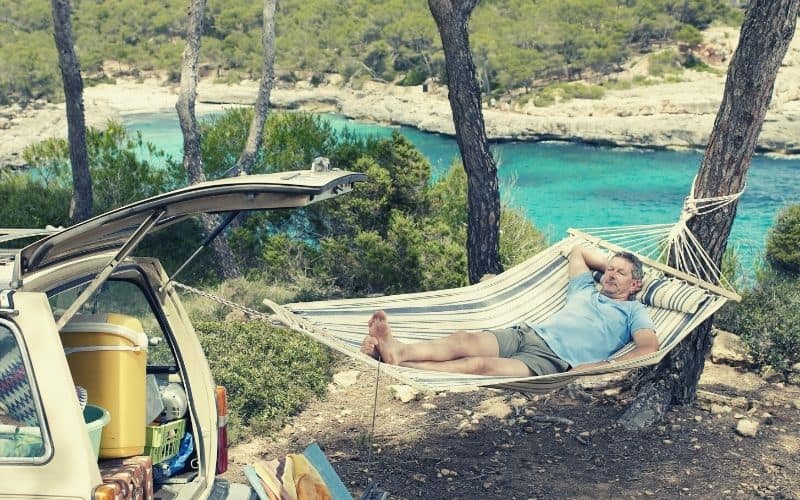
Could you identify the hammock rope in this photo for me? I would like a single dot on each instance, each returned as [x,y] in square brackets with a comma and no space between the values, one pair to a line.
[663,242]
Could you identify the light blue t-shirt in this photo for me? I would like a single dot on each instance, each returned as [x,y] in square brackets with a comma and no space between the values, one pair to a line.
[590,327]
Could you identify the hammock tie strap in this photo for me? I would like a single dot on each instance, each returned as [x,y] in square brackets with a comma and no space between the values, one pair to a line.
[693,206]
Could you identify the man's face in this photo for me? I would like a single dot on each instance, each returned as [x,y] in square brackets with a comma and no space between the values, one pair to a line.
[618,282]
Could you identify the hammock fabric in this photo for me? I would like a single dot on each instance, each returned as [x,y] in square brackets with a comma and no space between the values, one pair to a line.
[530,291]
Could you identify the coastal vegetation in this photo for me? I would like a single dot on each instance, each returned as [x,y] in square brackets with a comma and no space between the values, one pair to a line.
[400,232]
[396,244]
[768,318]
[516,45]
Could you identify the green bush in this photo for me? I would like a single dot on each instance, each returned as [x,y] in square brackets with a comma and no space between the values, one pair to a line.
[692,62]
[768,321]
[31,204]
[689,35]
[120,165]
[548,95]
[245,292]
[415,76]
[664,63]
[783,241]
[270,373]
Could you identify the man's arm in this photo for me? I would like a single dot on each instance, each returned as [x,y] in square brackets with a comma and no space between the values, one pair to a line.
[582,259]
[646,343]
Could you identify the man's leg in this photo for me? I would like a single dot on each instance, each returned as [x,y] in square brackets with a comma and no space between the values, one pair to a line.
[476,365]
[453,347]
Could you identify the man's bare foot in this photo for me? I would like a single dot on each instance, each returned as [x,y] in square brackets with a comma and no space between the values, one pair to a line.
[370,347]
[386,344]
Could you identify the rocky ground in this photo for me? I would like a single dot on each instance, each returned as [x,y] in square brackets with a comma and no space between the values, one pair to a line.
[740,440]
[664,115]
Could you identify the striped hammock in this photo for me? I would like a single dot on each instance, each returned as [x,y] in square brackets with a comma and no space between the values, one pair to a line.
[531,291]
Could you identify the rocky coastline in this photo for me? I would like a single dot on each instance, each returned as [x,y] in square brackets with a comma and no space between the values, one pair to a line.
[661,115]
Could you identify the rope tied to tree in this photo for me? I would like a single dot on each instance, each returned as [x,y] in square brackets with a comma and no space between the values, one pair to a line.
[675,242]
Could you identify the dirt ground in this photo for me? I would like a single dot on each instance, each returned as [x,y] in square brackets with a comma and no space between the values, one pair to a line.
[498,444]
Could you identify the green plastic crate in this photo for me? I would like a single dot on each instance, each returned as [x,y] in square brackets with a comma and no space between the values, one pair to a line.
[161,442]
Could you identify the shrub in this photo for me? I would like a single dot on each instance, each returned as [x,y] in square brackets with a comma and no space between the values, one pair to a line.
[120,165]
[415,76]
[689,35]
[565,92]
[519,238]
[783,241]
[31,204]
[664,63]
[270,373]
[246,292]
[543,99]
[768,321]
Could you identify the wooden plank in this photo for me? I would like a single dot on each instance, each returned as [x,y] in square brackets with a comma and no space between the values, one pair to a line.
[658,265]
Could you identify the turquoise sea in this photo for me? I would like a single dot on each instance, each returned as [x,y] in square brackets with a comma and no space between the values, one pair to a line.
[562,185]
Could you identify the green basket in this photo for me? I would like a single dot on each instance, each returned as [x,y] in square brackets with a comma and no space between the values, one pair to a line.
[161,442]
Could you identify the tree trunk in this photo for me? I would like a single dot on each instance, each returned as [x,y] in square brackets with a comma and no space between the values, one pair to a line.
[261,108]
[764,39]
[192,160]
[81,205]
[483,195]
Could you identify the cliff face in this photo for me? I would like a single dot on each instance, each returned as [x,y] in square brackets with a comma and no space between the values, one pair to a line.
[660,115]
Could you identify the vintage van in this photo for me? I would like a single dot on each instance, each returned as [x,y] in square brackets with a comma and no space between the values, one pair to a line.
[80,317]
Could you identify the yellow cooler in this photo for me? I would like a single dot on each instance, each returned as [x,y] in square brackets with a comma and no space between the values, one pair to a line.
[107,355]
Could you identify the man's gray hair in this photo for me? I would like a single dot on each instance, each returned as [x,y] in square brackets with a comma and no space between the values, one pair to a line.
[637,271]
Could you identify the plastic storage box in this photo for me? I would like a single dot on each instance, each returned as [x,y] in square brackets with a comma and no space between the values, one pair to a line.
[163,441]
[107,355]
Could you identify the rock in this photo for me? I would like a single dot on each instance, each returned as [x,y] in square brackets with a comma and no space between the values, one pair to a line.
[771,375]
[346,379]
[428,406]
[404,393]
[793,378]
[728,349]
[796,403]
[747,427]
[496,407]
[795,368]
[720,409]
[519,403]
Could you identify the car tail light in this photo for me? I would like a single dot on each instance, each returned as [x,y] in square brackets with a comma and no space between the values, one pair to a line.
[222,429]
[105,492]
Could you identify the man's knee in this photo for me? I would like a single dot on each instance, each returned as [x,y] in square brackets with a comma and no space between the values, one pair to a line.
[480,366]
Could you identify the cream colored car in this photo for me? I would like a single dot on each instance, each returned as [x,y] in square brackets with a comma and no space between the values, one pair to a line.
[67,287]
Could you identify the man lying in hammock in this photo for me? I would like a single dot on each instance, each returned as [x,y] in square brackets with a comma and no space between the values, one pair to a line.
[590,327]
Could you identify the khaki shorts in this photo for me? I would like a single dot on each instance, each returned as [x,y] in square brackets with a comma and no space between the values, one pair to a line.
[523,343]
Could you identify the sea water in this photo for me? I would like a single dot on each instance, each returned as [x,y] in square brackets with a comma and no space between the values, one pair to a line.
[562,185]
